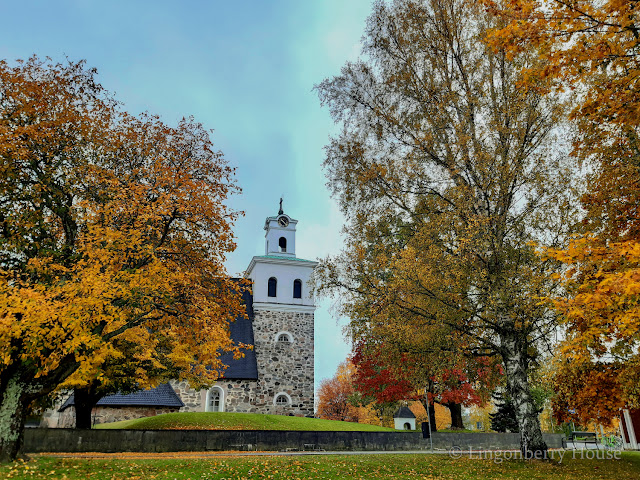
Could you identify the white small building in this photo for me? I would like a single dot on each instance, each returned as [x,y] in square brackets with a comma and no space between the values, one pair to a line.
[404,419]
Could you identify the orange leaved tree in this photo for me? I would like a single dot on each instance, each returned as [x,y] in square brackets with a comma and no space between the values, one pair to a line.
[335,396]
[112,228]
[591,50]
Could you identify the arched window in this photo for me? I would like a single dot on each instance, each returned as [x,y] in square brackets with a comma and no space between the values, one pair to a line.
[407,426]
[297,289]
[282,400]
[284,338]
[215,400]
[282,243]
[273,284]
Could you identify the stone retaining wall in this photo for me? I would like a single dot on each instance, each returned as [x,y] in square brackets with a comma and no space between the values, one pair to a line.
[71,440]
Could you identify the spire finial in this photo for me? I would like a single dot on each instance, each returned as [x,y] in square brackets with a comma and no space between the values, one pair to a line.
[280,212]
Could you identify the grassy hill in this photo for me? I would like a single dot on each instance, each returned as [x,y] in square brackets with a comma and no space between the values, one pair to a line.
[238,421]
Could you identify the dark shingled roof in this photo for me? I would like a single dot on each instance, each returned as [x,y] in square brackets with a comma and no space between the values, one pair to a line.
[161,396]
[244,368]
[404,412]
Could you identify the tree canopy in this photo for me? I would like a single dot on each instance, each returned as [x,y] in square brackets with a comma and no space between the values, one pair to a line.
[591,51]
[447,171]
[113,228]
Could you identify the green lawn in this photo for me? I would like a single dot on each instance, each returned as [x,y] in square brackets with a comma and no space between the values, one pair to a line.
[328,467]
[238,421]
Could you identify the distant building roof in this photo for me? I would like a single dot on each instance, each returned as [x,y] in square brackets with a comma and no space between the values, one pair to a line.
[404,412]
[161,396]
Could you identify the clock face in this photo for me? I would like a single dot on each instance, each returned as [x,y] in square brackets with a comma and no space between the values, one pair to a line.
[283,221]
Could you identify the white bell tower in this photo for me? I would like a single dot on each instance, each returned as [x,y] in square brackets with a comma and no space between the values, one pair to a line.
[278,276]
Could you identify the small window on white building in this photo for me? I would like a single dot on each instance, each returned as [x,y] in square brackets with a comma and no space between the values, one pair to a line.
[297,288]
[282,243]
[272,287]
[283,338]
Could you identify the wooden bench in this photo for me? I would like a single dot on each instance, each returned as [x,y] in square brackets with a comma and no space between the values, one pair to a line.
[584,438]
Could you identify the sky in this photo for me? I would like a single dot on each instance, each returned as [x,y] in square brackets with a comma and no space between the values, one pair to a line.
[244,68]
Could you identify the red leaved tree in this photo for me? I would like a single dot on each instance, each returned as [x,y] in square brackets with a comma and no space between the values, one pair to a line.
[385,374]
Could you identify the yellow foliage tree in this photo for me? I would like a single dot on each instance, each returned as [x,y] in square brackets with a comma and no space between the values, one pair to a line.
[592,51]
[112,228]
[442,417]
[335,396]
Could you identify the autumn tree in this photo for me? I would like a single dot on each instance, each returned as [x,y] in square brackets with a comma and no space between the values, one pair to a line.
[113,228]
[445,172]
[402,361]
[588,391]
[592,52]
[127,369]
[335,396]
[598,368]
[378,386]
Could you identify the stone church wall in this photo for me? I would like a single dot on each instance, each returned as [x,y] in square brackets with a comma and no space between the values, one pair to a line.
[192,399]
[284,367]
[67,418]
[239,396]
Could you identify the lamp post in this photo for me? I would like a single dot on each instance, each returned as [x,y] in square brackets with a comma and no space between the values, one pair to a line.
[426,394]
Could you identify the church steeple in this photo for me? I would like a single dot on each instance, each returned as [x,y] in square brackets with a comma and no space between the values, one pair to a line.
[280,236]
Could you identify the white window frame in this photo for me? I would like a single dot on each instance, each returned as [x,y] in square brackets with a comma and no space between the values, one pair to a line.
[207,406]
[275,397]
[284,332]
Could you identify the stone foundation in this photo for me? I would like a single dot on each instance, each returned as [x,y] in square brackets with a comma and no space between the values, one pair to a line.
[109,415]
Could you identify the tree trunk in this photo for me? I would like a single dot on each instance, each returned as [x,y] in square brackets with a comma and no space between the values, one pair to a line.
[431,408]
[455,409]
[84,399]
[432,417]
[13,414]
[532,445]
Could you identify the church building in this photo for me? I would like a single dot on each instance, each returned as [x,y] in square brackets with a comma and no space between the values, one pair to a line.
[276,377]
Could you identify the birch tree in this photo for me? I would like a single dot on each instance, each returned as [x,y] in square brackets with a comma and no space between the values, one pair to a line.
[447,172]
[591,50]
